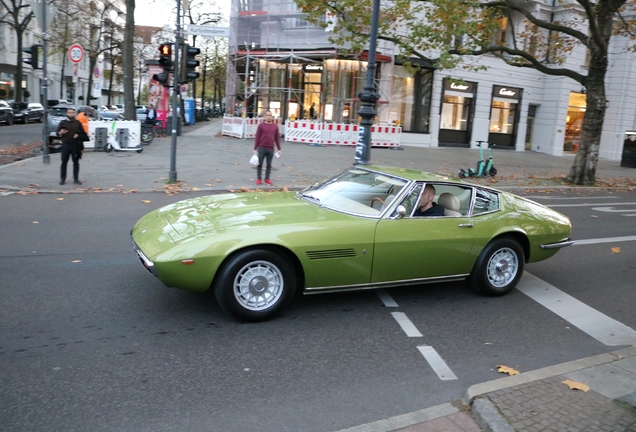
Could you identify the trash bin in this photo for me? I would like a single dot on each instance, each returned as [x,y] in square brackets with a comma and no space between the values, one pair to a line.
[629,150]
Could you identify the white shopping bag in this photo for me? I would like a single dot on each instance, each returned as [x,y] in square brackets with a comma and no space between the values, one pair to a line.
[254,160]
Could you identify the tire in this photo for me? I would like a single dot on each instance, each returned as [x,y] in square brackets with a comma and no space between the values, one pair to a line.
[498,268]
[140,149]
[255,285]
[462,173]
[9,120]
[26,119]
[147,136]
[40,119]
[108,148]
[493,171]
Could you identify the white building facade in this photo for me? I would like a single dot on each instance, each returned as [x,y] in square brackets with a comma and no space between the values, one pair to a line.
[279,61]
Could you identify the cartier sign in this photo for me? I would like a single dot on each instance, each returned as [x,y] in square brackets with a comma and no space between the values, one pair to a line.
[463,87]
[506,92]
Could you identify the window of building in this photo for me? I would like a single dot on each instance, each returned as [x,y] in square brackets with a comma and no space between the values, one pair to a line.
[502,117]
[411,99]
[455,112]
[574,121]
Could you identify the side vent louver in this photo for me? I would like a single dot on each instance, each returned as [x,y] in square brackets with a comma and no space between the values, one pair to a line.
[334,253]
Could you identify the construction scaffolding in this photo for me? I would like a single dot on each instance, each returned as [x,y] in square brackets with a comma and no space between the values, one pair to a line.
[280,62]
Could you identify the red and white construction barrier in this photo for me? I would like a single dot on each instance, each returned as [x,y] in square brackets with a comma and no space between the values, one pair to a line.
[307,132]
[313,132]
[340,134]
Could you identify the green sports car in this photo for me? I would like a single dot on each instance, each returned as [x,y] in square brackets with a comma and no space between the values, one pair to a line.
[358,230]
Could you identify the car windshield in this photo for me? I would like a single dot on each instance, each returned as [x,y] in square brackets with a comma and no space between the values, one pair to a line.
[356,191]
[18,105]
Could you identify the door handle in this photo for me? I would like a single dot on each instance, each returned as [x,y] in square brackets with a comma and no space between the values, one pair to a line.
[466,225]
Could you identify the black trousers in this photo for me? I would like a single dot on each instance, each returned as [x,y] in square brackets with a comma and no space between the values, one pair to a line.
[266,154]
[67,152]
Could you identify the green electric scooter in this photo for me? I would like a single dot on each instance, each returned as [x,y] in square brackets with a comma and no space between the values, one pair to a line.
[483,167]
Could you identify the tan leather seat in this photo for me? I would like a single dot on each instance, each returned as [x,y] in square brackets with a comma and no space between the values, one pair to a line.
[450,204]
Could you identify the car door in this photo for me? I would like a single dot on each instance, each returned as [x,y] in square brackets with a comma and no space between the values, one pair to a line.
[422,247]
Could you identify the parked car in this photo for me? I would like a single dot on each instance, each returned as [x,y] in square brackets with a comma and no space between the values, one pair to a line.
[112,115]
[6,113]
[358,230]
[26,112]
[57,114]
[141,114]
[54,102]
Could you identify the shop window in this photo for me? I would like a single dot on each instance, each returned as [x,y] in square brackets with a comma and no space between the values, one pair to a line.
[455,112]
[411,99]
[574,121]
[502,117]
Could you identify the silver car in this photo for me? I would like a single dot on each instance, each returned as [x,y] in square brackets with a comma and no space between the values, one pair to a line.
[57,114]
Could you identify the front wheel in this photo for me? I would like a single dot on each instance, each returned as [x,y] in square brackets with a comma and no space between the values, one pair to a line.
[498,268]
[10,121]
[147,135]
[255,285]
[26,119]
[108,148]
[139,150]
[493,171]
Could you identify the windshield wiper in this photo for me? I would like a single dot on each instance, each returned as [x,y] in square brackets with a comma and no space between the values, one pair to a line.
[310,197]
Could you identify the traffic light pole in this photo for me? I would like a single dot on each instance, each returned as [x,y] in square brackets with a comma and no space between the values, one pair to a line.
[46,158]
[172,175]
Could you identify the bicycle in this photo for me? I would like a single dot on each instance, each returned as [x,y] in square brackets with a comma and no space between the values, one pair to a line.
[147,133]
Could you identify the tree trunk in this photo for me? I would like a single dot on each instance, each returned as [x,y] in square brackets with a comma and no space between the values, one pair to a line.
[129,66]
[92,61]
[18,73]
[583,171]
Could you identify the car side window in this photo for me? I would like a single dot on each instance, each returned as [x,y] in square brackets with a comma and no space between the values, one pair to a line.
[485,201]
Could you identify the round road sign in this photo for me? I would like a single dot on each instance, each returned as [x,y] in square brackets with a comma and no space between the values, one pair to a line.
[76,53]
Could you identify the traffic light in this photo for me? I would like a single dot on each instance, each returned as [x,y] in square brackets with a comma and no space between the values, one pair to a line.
[189,63]
[33,52]
[165,61]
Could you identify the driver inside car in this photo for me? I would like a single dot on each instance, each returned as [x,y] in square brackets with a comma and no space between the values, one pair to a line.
[426,206]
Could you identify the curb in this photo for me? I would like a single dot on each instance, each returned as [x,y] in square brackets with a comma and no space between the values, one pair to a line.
[486,414]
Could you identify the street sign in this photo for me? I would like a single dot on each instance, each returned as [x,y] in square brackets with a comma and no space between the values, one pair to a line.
[76,53]
[208,31]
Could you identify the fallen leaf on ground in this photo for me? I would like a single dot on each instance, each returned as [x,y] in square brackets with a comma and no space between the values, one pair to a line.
[77,261]
[60,199]
[145,201]
[505,369]
[576,385]
[616,250]
[36,222]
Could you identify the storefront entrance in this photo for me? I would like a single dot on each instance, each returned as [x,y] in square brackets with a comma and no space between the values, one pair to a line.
[504,116]
[457,114]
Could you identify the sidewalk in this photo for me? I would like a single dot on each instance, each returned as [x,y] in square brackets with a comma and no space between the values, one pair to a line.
[537,401]
[207,161]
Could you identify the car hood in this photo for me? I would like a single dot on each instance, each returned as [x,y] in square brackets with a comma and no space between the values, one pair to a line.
[230,212]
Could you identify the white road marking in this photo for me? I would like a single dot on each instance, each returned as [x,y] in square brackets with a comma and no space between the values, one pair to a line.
[590,204]
[437,363]
[604,240]
[596,324]
[406,324]
[386,298]
[613,210]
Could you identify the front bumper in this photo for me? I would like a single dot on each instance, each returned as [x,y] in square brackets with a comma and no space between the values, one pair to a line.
[145,261]
[558,245]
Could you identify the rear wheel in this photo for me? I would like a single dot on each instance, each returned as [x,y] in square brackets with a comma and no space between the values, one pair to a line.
[498,268]
[26,119]
[255,285]
[493,171]
[10,120]
[108,148]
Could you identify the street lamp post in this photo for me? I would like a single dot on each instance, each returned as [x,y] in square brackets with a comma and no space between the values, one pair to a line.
[368,96]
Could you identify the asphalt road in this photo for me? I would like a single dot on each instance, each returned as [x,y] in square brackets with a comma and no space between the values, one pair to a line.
[20,134]
[90,341]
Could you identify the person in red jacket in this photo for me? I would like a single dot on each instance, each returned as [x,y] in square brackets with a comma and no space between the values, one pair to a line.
[267,136]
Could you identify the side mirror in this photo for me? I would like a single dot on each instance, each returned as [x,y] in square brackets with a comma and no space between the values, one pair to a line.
[399,212]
